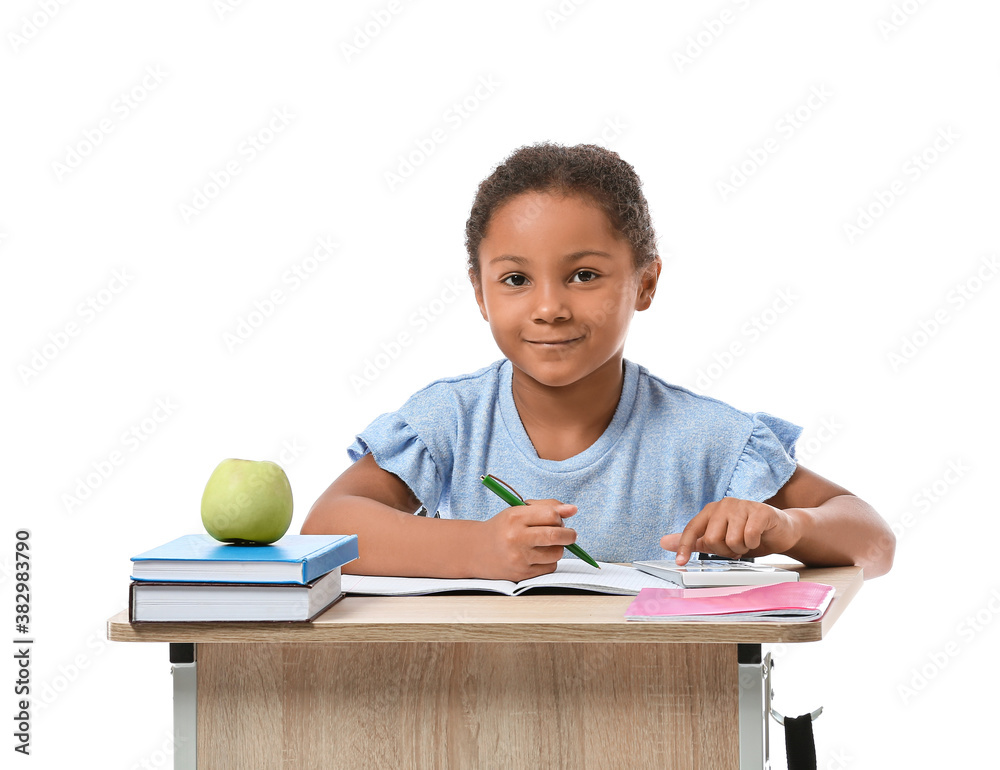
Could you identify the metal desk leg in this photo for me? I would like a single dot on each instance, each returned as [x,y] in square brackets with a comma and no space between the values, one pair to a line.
[184,671]
[755,707]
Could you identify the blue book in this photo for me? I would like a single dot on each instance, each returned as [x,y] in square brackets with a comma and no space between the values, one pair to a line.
[203,559]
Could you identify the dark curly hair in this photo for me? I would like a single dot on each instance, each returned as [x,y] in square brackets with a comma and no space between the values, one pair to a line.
[584,169]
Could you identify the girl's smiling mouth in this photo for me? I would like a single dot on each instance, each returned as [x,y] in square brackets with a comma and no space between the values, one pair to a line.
[554,343]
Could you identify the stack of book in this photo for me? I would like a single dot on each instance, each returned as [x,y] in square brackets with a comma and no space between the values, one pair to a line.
[197,578]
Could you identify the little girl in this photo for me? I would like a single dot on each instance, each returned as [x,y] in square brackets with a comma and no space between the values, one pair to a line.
[561,254]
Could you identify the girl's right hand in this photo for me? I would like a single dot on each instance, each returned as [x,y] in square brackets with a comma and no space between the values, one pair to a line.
[524,541]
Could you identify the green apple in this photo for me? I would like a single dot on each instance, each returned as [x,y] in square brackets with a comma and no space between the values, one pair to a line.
[247,502]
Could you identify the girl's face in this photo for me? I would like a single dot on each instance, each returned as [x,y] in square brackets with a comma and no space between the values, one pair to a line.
[559,286]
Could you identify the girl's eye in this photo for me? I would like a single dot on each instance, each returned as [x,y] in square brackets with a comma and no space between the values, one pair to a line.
[586,276]
[514,280]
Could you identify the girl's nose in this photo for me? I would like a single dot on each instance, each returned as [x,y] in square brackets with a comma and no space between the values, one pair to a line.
[551,303]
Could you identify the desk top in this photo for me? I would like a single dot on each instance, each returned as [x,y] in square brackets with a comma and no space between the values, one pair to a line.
[493,618]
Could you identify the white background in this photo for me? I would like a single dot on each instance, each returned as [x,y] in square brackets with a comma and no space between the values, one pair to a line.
[914,435]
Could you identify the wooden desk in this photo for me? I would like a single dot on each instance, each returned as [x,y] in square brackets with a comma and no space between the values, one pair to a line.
[480,681]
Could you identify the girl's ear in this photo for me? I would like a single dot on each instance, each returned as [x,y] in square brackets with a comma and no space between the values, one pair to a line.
[647,283]
[477,287]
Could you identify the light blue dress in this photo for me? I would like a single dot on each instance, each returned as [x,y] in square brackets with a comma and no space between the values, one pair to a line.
[666,454]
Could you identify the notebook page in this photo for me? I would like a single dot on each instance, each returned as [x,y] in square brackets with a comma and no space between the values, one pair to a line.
[612,578]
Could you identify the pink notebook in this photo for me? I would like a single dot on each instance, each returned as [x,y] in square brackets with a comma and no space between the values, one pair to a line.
[798,601]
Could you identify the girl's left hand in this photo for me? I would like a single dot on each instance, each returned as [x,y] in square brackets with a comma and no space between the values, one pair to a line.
[734,528]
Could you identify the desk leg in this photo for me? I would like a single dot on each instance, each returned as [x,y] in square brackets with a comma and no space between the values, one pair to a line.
[755,707]
[184,670]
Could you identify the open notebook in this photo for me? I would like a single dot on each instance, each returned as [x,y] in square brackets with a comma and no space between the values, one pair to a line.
[570,573]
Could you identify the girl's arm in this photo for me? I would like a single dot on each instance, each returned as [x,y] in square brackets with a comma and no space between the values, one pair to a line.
[379,507]
[834,526]
[810,519]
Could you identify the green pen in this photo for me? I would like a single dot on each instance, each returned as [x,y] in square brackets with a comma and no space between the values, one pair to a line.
[507,493]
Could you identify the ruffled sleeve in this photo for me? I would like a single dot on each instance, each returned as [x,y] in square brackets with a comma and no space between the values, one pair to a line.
[767,461]
[398,449]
